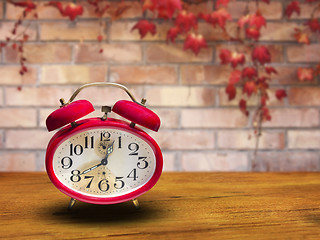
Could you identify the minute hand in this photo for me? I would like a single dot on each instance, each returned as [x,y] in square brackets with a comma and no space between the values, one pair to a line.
[90,169]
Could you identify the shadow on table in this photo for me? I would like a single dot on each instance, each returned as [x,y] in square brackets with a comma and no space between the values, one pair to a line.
[90,213]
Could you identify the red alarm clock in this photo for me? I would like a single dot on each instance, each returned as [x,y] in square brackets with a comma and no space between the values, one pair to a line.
[103,160]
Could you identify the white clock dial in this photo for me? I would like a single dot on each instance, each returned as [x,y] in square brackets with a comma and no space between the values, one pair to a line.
[104,162]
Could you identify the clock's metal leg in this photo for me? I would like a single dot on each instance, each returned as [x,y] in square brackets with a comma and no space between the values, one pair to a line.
[136,203]
[71,203]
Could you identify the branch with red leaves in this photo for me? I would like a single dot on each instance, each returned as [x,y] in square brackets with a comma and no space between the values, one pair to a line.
[251,74]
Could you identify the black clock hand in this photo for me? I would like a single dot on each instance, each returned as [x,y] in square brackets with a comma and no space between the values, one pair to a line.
[104,161]
[90,169]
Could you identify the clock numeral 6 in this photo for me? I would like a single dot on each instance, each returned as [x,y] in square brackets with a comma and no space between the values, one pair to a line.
[104,185]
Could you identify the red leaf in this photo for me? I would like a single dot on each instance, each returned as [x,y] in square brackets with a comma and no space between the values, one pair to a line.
[243,20]
[100,38]
[292,7]
[219,17]
[249,88]
[313,24]
[231,91]
[261,54]
[195,43]
[237,58]
[253,32]
[72,10]
[222,3]
[173,33]
[235,77]
[225,56]
[165,8]
[270,70]
[28,5]
[301,37]
[185,21]
[243,107]
[280,94]
[249,72]
[265,114]
[305,74]
[257,20]
[144,27]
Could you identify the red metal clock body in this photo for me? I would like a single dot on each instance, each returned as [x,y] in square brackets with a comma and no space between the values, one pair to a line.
[103,160]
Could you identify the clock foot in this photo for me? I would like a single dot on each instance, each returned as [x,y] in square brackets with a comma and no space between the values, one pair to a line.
[71,203]
[136,203]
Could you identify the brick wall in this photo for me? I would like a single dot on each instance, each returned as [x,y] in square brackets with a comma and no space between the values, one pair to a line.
[201,130]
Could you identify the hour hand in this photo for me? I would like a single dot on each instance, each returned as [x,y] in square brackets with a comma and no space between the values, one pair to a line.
[90,169]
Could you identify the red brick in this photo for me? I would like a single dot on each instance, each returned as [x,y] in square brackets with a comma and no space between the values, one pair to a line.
[32,96]
[159,53]
[211,33]
[71,30]
[304,53]
[144,74]
[278,31]
[1,10]
[200,7]
[305,11]
[275,51]
[213,118]
[134,10]
[180,96]
[42,53]
[169,117]
[27,139]
[18,117]
[205,162]
[10,75]
[112,53]
[43,12]
[304,139]
[286,162]
[73,74]
[17,162]
[7,27]
[251,101]
[185,139]
[304,96]
[288,75]
[306,117]
[169,162]
[271,11]
[241,140]
[205,74]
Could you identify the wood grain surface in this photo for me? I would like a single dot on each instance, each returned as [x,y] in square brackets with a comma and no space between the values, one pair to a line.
[180,206]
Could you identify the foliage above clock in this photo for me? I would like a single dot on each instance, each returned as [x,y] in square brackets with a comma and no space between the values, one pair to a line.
[250,61]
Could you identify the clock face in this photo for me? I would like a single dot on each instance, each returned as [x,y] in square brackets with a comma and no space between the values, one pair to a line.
[104,162]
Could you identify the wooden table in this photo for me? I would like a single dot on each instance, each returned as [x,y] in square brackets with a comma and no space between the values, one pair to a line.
[180,206]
